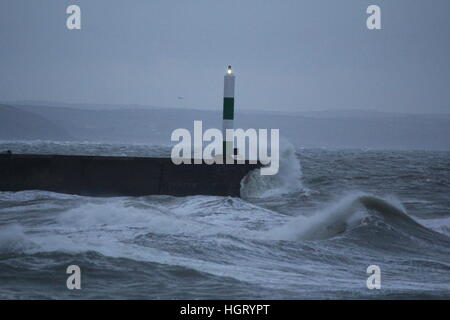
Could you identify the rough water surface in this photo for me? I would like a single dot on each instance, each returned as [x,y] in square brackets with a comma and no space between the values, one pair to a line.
[308,233]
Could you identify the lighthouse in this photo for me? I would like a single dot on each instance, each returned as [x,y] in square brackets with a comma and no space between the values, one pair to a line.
[228,112]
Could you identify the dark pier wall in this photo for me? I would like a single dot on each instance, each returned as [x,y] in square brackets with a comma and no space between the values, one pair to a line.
[118,176]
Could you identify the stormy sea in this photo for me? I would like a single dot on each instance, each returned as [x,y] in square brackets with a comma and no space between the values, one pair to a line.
[310,232]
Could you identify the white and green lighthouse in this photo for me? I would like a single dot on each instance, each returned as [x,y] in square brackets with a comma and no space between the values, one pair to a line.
[228,112]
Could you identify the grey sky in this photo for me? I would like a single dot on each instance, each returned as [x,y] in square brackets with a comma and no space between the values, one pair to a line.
[288,55]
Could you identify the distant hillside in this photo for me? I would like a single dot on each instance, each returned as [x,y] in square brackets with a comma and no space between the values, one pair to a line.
[337,129]
[18,124]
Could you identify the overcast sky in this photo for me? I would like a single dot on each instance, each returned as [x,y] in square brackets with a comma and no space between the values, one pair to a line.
[288,55]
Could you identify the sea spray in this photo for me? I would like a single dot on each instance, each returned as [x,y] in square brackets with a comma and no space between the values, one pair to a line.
[342,215]
[14,240]
[162,247]
[326,223]
[287,180]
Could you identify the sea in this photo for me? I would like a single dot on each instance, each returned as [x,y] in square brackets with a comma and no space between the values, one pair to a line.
[316,230]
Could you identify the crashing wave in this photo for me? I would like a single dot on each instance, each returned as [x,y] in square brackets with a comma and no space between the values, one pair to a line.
[345,214]
[287,180]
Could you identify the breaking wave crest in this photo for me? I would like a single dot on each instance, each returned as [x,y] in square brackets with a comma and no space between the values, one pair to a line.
[351,211]
[14,240]
[287,180]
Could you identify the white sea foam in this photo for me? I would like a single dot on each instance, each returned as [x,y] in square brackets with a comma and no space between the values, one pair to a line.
[323,224]
[14,240]
[340,216]
[441,225]
[287,180]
